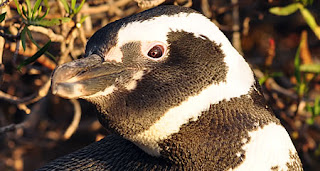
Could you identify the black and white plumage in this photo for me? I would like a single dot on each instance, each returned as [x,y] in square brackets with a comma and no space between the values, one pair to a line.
[177,95]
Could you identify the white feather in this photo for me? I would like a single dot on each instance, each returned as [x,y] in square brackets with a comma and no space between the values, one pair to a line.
[268,147]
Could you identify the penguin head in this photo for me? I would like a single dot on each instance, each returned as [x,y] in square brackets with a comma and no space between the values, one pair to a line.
[151,73]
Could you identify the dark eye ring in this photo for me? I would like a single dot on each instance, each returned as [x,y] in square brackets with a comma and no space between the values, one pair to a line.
[156,51]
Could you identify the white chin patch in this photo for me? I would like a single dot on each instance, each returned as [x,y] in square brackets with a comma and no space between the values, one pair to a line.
[105,92]
[133,82]
[269,147]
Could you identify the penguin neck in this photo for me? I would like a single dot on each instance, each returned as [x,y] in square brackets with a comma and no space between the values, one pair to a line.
[216,138]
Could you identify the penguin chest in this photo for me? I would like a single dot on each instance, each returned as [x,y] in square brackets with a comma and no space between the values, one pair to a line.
[269,148]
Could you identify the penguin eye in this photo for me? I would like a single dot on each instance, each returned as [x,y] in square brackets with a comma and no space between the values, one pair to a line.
[156,51]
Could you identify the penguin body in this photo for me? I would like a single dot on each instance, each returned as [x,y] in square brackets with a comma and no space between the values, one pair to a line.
[177,95]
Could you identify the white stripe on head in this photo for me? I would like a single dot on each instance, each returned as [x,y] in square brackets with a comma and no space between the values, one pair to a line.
[239,78]
[157,28]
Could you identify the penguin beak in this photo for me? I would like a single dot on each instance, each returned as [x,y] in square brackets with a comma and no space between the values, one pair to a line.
[86,76]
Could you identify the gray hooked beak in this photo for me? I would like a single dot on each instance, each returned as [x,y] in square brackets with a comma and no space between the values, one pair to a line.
[86,76]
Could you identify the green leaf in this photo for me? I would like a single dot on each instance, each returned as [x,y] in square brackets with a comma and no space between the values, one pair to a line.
[317,106]
[30,37]
[79,7]
[46,3]
[65,5]
[18,8]
[24,12]
[317,152]
[310,21]
[302,89]
[45,14]
[287,10]
[2,16]
[35,56]
[39,12]
[51,22]
[307,2]
[297,65]
[309,108]
[73,4]
[35,43]
[310,121]
[276,74]
[263,79]
[314,68]
[36,7]
[23,38]
[29,9]
[83,18]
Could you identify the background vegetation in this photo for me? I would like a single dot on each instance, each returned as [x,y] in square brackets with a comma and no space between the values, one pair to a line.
[279,38]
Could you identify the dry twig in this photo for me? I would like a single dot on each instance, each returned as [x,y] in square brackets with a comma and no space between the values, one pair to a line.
[246,26]
[12,127]
[31,121]
[184,3]
[110,6]
[29,99]
[275,86]
[205,7]
[48,32]
[149,3]
[76,119]
[236,40]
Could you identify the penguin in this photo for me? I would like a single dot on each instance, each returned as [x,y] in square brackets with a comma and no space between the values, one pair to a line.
[176,95]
